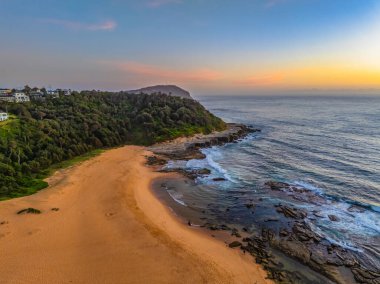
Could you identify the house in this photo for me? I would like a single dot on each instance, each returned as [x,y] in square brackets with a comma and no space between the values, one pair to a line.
[3,116]
[5,92]
[6,98]
[5,95]
[37,95]
[53,93]
[20,97]
[16,97]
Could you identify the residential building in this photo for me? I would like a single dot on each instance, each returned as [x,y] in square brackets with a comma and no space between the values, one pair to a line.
[5,92]
[6,98]
[53,93]
[16,97]
[3,116]
[37,95]
[20,97]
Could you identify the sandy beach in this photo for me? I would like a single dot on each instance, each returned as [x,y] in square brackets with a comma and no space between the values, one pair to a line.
[110,228]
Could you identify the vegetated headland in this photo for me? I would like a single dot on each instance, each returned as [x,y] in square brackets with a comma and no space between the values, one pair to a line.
[43,133]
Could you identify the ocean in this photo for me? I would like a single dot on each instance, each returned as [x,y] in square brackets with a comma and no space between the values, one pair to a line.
[328,145]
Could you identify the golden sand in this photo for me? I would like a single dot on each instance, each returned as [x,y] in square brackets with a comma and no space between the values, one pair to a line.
[110,228]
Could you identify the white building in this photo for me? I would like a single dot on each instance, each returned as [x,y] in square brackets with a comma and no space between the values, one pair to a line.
[16,97]
[3,116]
[20,97]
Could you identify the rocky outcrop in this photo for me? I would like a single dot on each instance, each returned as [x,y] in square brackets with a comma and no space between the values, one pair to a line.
[297,239]
[191,174]
[290,212]
[189,148]
[155,161]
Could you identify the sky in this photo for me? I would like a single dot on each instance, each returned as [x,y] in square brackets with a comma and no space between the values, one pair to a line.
[209,47]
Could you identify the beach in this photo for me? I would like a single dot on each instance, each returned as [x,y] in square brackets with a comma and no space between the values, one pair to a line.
[107,226]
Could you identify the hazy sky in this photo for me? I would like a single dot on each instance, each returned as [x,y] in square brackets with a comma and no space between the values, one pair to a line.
[206,46]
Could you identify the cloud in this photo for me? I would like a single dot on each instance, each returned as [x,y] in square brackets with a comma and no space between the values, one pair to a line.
[153,72]
[159,3]
[103,26]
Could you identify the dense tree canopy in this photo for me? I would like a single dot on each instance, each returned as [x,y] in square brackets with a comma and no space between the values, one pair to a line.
[47,132]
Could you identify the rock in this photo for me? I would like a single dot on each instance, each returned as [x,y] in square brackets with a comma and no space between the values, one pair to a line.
[356,209]
[363,275]
[225,228]
[29,211]
[291,212]
[274,185]
[235,244]
[218,179]
[267,234]
[55,209]
[250,205]
[283,233]
[191,174]
[189,149]
[304,233]
[235,233]
[271,220]
[203,171]
[296,249]
[154,160]
[333,218]
[318,257]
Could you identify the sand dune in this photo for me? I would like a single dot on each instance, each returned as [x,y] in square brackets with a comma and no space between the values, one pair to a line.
[110,228]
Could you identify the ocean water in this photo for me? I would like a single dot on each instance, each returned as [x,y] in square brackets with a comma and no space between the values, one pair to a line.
[330,145]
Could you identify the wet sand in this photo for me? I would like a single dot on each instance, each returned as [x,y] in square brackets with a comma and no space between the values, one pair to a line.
[110,228]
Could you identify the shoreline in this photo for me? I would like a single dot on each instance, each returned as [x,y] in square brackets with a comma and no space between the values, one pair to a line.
[285,241]
[109,227]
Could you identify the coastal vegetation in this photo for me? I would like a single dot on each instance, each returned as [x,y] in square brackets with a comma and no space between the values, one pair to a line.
[43,136]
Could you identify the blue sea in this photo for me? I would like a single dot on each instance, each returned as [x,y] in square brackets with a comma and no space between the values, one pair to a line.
[330,145]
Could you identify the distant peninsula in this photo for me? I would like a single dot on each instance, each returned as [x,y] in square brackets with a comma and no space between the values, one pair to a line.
[170,90]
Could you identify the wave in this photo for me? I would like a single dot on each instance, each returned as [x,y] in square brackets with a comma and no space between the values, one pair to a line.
[176,196]
[215,165]
[348,201]
[308,186]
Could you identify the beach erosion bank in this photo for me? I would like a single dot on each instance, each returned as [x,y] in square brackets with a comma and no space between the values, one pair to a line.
[107,226]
